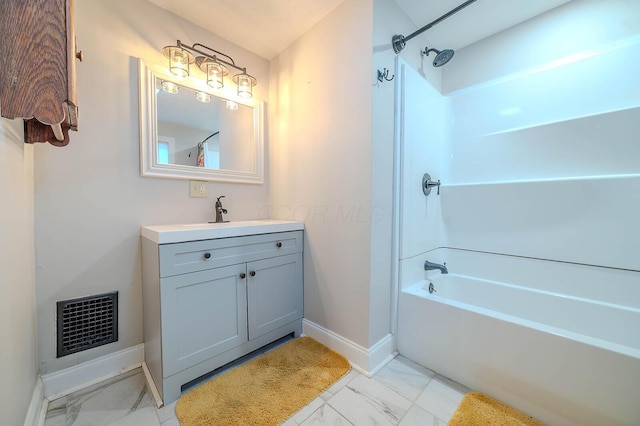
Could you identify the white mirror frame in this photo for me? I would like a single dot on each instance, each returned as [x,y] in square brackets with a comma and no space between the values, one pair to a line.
[149,165]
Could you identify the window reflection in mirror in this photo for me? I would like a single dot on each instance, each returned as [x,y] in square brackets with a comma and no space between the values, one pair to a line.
[213,135]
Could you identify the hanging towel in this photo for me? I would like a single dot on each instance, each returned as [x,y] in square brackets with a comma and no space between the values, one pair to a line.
[201,153]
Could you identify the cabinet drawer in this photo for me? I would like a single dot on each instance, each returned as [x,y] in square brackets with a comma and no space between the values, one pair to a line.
[195,256]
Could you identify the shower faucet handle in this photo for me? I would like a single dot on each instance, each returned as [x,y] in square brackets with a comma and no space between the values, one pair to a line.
[431,183]
[427,184]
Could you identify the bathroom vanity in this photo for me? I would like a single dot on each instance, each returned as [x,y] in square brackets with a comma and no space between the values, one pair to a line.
[215,292]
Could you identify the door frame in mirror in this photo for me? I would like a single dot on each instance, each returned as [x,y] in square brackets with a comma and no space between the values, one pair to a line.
[149,165]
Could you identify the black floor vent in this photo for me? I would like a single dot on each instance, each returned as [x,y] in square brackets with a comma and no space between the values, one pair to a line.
[87,322]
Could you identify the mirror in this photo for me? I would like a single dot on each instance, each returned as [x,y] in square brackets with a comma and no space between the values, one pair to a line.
[183,138]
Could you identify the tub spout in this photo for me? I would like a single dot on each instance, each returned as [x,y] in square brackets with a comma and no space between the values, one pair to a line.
[428,266]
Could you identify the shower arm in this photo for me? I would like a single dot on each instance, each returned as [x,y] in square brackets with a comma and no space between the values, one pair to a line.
[399,41]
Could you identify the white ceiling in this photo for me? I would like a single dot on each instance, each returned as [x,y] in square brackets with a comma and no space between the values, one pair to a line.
[477,21]
[267,27]
[264,27]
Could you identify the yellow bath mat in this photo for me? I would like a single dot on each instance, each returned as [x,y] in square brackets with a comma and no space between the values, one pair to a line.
[266,390]
[478,409]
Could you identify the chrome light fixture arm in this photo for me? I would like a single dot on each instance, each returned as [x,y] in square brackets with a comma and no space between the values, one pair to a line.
[210,62]
[214,57]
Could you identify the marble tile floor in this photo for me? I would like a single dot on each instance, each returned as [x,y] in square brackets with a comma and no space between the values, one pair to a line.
[402,393]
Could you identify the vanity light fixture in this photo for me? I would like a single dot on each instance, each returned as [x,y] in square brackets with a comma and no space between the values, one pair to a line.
[213,63]
[214,71]
[179,60]
[245,84]
[170,87]
[203,97]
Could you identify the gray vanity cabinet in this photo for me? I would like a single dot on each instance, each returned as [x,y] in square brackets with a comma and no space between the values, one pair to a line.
[209,302]
[203,314]
[274,294]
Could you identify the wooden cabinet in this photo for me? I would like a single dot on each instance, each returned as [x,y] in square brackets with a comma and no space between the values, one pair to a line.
[209,302]
[37,68]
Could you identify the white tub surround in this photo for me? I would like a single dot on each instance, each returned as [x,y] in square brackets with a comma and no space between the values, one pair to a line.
[536,218]
[553,339]
[562,359]
[557,380]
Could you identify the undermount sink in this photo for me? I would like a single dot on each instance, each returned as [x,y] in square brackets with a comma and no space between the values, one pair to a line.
[165,234]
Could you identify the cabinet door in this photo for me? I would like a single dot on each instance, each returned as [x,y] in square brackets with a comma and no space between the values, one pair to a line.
[203,314]
[274,293]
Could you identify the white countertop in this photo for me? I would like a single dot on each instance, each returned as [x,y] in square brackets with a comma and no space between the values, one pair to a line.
[165,234]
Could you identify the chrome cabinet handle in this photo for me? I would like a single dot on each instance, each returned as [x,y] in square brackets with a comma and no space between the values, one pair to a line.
[242,275]
[252,273]
[278,244]
[207,255]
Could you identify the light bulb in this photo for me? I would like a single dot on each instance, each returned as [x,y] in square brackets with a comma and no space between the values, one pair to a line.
[179,60]
[245,84]
[170,87]
[203,97]
[215,75]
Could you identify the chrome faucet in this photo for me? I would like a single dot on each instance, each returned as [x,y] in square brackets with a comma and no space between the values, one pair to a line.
[428,266]
[220,211]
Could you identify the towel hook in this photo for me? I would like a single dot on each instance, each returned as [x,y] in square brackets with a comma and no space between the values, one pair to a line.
[384,75]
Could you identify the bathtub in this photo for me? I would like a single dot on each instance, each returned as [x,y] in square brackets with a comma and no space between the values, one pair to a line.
[561,358]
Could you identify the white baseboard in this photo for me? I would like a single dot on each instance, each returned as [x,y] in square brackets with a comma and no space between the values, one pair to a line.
[37,407]
[60,383]
[69,380]
[367,361]
[151,385]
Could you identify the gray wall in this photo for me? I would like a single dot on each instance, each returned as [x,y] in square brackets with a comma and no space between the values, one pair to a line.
[320,124]
[90,200]
[388,20]
[17,285]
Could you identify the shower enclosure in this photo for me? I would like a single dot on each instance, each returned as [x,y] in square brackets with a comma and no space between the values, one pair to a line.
[537,223]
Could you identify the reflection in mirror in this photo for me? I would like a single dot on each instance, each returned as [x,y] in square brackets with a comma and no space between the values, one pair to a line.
[188,132]
[217,134]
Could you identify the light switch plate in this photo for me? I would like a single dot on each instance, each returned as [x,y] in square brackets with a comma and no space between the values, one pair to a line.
[198,188]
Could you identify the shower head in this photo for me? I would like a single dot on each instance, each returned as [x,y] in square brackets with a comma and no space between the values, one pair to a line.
[442,56]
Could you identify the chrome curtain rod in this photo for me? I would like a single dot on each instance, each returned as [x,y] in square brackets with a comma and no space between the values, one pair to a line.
[399,41]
